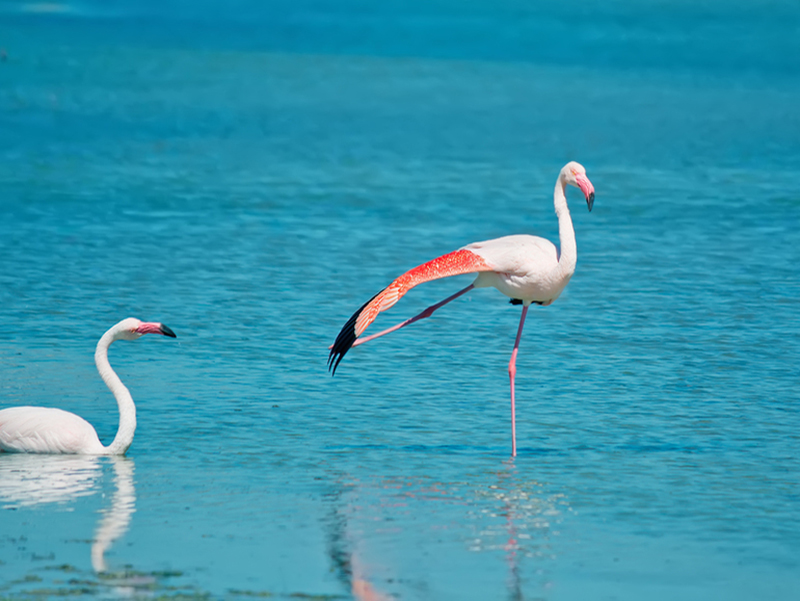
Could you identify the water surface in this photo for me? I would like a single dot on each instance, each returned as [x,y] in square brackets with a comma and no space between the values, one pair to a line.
[250,176]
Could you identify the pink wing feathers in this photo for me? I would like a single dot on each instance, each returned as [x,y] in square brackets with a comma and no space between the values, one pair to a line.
[455,263]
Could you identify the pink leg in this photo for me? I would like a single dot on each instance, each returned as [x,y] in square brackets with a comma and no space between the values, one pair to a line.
[426,313]
[512,371]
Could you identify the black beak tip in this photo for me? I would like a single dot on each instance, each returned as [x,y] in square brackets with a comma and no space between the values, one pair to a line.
[167,331]
[590,201]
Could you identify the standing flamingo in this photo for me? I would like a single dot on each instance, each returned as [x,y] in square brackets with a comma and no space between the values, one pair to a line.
[526,268]
[44,430]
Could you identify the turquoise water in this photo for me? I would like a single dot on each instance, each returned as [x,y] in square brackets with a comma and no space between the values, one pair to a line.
[250,175]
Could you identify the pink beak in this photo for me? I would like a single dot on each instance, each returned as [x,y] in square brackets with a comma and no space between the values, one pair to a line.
[155,328]
[587,188]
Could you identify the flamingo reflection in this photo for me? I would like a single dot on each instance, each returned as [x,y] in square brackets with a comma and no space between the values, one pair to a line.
[32,480]
[117,517]
[28,481]
[345,554]
[526,518]
[508,517]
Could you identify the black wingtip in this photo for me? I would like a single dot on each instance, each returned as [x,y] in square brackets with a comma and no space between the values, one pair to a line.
[167,331]
[515,301]
[344,341]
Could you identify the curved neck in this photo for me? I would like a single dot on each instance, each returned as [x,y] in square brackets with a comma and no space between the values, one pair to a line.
[568,254]
[127,410]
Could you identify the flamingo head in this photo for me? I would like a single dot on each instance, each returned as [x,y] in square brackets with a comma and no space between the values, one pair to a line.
[132,328]
[575,174]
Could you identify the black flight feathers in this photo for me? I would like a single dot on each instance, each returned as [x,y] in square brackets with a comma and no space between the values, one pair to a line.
[345,339]
[517,301]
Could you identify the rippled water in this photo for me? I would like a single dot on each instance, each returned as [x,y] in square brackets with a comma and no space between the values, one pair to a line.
[251,177]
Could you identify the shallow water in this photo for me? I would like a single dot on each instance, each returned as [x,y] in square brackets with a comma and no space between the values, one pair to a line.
[251,177]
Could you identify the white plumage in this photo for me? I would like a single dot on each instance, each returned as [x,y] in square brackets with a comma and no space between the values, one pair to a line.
[46,430]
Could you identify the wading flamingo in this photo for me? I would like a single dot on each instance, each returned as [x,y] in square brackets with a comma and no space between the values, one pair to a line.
[44,430]
[529,269]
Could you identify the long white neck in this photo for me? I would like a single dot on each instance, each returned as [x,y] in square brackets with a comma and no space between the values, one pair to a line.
[127,410]
[568,254]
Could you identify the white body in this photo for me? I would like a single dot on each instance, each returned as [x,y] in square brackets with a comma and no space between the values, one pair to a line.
[525,267]
[45,430]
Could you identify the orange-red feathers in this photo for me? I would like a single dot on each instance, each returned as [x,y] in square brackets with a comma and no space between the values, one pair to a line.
[455,263]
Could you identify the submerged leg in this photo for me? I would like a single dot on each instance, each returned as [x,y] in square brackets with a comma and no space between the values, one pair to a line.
[426,313]
[512,371]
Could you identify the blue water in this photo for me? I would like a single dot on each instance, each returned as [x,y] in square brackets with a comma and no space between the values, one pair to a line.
[251,174]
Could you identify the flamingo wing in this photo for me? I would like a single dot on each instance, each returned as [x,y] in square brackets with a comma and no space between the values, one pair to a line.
[458,262]
[46,430]
[518,255]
